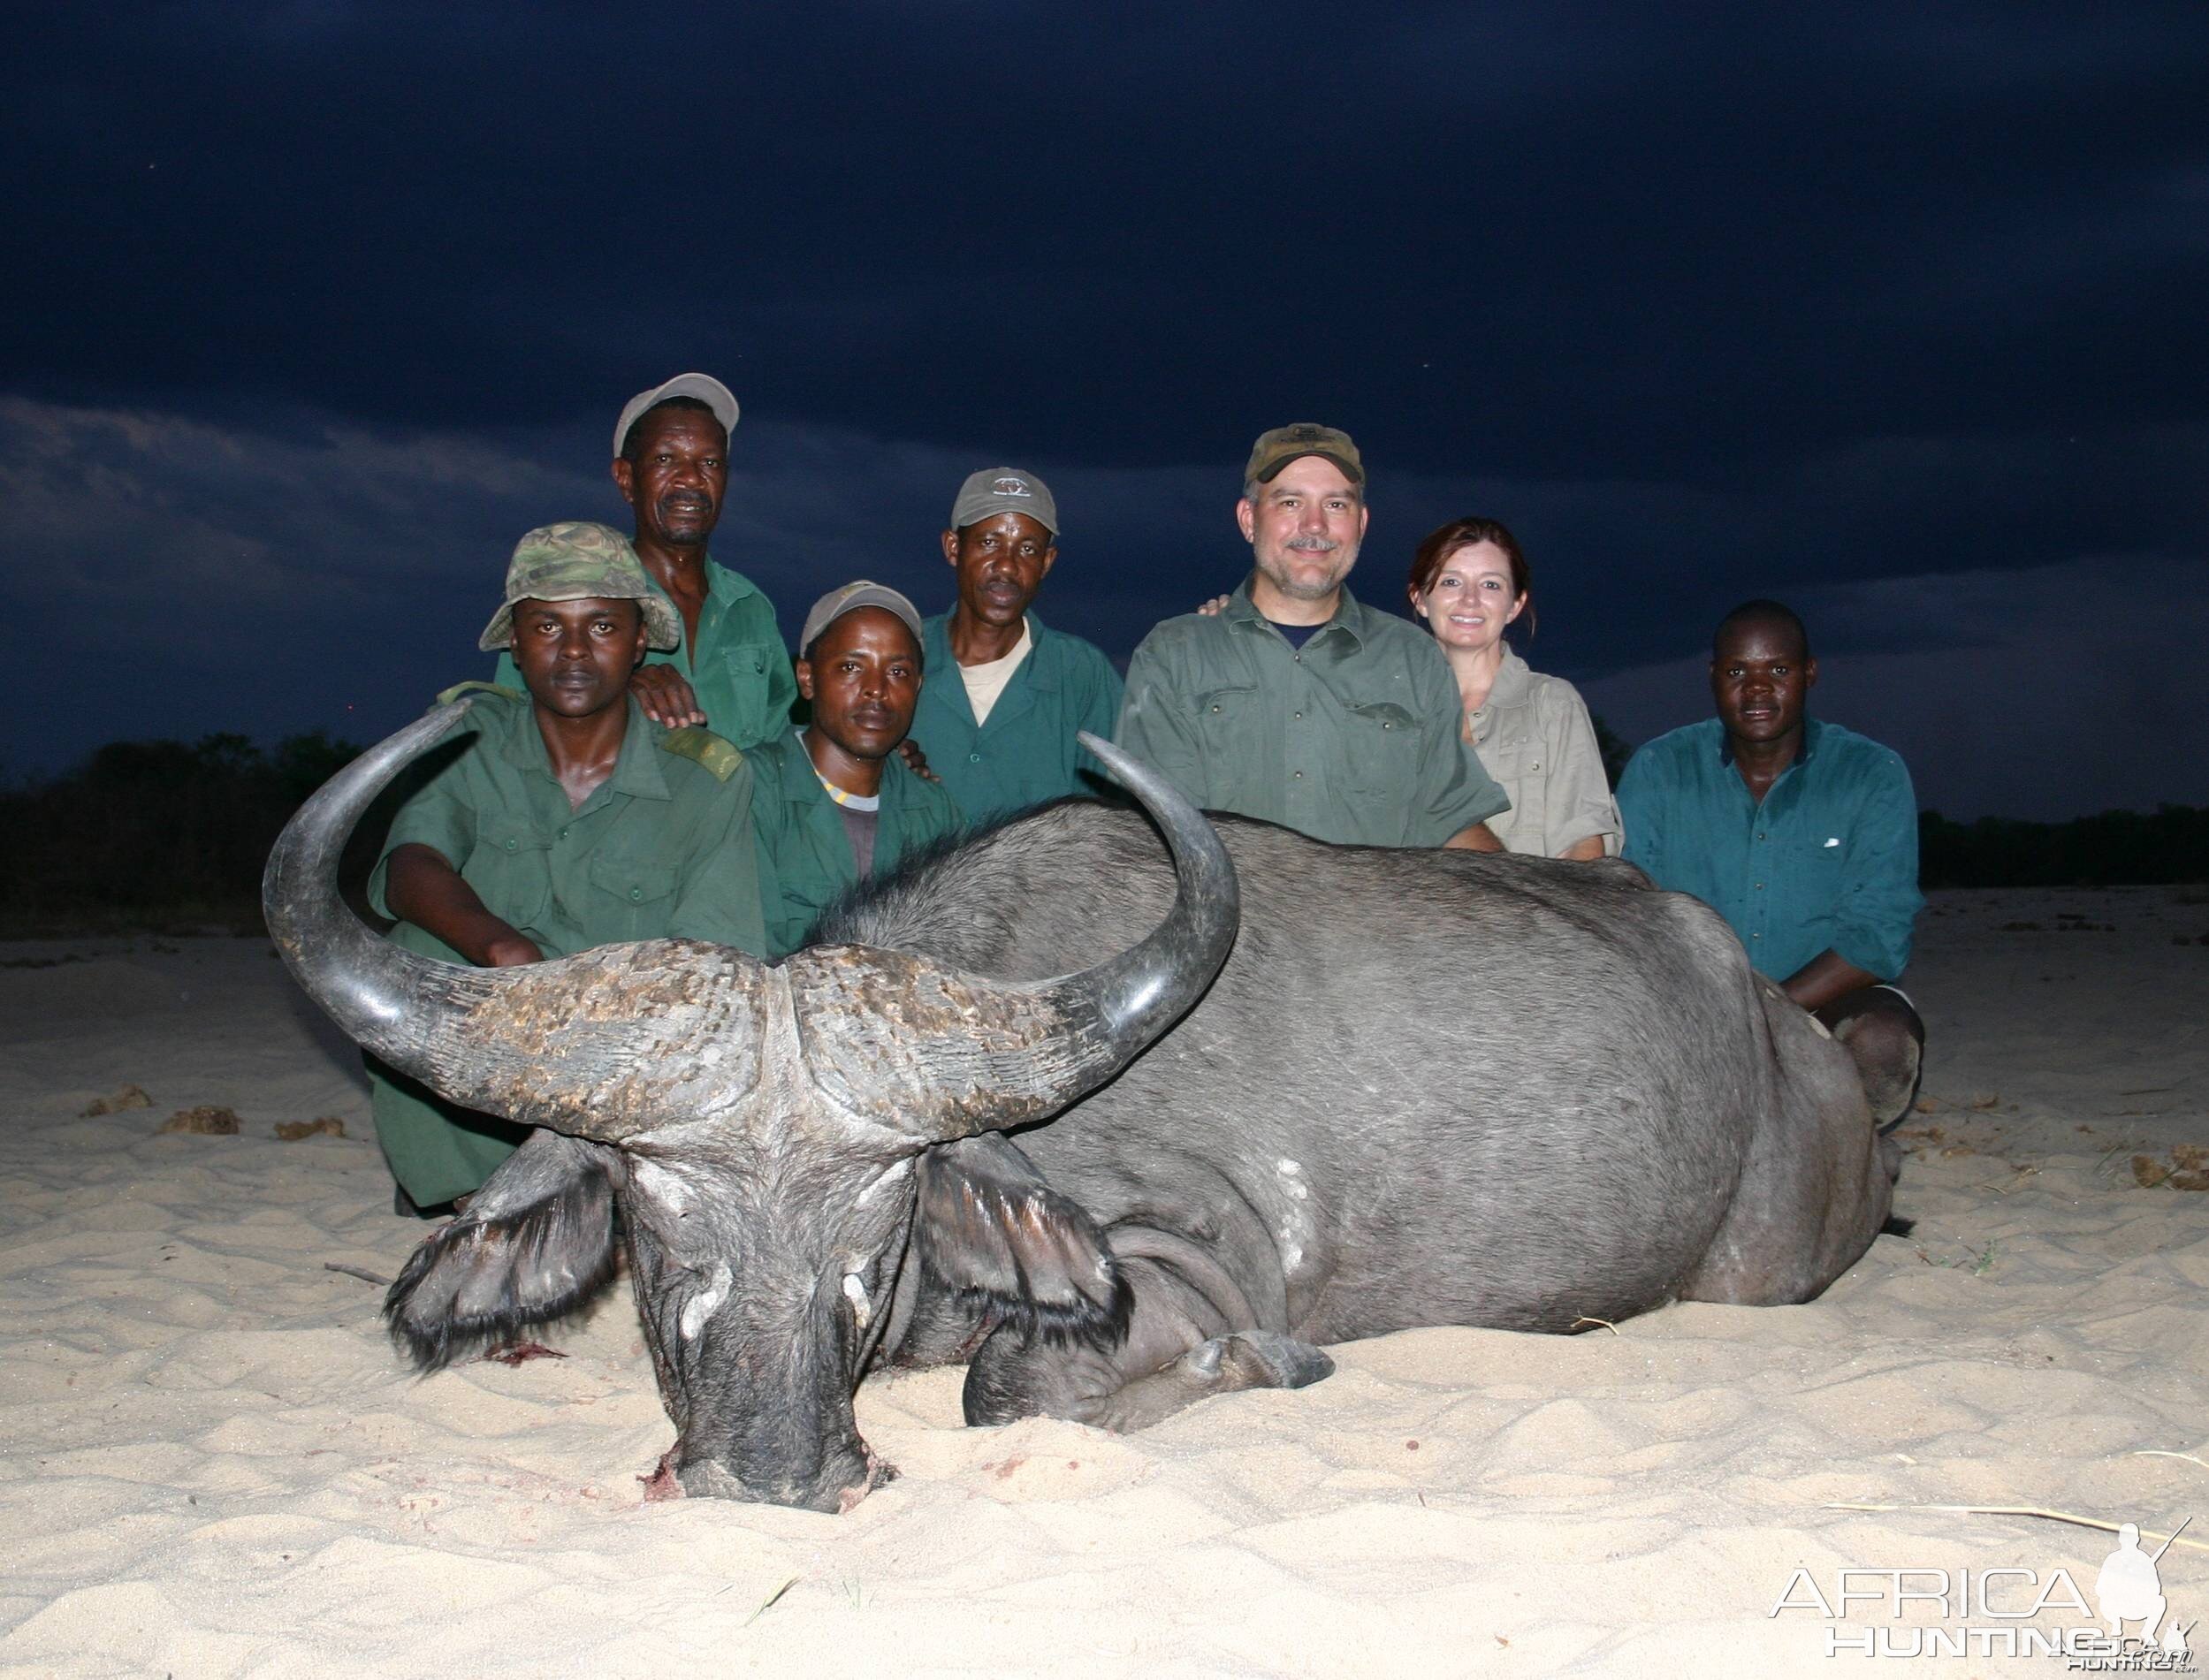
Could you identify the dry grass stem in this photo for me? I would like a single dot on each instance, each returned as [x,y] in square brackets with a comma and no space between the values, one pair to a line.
[2030,1510]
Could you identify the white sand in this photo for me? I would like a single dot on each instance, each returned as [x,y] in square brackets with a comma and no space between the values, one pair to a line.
[212,1462]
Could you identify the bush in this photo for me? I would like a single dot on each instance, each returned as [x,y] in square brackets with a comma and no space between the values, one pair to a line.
[2132,849]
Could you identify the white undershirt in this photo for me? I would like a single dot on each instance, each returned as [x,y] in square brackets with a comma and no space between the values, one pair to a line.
[986,682]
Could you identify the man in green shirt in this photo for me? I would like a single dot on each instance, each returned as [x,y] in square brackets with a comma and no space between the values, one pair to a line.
[1298,704]
[552,821]
[729,669]
[1000,718]
[835,803]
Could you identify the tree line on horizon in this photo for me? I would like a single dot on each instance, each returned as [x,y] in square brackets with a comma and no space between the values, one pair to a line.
[169,837]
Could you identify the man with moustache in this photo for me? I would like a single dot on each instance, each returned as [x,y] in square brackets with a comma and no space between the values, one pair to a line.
[1296,704]
[1801,833]
[730,671]
[555,817]
[999,721]
[835,804]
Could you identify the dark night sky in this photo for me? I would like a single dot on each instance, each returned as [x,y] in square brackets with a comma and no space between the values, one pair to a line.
[1895,312]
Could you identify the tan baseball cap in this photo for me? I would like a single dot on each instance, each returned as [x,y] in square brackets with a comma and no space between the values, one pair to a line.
[850,598]
[580,560]
[1004,489]
[1275,449]
[704,386]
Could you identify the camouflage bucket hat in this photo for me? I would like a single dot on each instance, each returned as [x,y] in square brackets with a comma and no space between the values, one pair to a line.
[580,560]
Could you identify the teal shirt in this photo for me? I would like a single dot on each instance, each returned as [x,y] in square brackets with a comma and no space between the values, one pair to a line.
[662,848]
[1828,861]
[1354,737]
[740,670]
[804,856]
[1026,753]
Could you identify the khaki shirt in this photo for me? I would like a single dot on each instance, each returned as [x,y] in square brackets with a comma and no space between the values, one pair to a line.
[1353,738]
[1534,736]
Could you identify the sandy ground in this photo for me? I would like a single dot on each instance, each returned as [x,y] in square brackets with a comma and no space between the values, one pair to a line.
[212,1462]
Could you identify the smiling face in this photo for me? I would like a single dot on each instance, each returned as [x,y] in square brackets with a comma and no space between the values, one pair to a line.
[575,657]
[1001,562]
[675,474]
[1471,598]
[1304,529]
[1759,676]
[862,676]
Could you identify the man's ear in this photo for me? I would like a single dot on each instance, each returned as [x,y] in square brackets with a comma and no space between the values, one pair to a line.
[802,670]
[1809,673]
[1365,514]
[625,479]
[1246,516]
[535,1242]
[1050,559]
[951,549]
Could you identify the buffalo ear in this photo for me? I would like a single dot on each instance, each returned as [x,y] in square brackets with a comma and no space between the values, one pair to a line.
[535,1242]
[991,1229]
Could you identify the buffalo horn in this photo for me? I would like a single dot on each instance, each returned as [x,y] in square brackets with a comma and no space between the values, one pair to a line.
[602,1045]
[943,1054]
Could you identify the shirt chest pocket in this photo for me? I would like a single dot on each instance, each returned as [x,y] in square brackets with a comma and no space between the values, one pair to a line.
[511,870]
[1382,742]
[1518,766]
[634,897]
[747,664]
[1231,724]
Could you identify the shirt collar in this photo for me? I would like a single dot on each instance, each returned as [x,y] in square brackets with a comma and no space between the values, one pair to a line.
[1350,616]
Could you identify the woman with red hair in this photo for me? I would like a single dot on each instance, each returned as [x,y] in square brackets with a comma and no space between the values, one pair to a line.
[1468,582]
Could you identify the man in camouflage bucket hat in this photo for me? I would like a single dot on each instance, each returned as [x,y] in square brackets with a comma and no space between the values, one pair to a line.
[578,559]
[556,819]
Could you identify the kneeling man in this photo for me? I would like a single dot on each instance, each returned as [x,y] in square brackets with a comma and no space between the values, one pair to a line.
[836,804]
[557,819]
[1801,834]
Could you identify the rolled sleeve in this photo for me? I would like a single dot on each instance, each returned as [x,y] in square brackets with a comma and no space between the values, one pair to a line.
[1462,791]
[1876,919]
[1580,803]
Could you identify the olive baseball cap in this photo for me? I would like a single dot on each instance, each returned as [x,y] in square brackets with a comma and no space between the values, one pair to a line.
[850,598]
[1275,449]
[580,560]
[704,386]
[1004,489]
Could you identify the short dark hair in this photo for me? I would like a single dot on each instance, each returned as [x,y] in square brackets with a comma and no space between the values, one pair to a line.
[1440,545]
[687,405]
[1762,612]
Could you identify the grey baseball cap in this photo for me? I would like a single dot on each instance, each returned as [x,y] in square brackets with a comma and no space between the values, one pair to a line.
[580,560]
[850,598]
[704,386]
[1004,489]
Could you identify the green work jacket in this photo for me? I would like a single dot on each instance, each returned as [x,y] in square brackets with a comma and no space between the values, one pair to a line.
[1026,753]
[1353,738]
[740,670]
[805,857]
[662,848]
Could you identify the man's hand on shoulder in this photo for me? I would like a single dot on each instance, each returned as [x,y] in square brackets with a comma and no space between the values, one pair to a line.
[917,761]
[668,699]
[1212,608]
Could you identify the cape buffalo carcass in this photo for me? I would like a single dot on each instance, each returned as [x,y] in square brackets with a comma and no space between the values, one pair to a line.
[1425,1087]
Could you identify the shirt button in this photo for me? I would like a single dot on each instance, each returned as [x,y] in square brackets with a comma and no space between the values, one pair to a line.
[1298,716]
[1388,726]
[1215,711]
[563,833]
[637,895]
[1298,774]
[513,846]
[1760,837]
[1760,887]
[976,758]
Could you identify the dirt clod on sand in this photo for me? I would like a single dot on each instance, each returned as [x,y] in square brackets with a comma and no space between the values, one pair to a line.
[129,1097]
[2189,1169]
[206,1121]
[292,1130]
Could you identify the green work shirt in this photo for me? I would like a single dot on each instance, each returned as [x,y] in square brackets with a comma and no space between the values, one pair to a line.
[805,857]
[1354,737]
[739,670]
[662,848]
[1026,753]
[1826,860]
